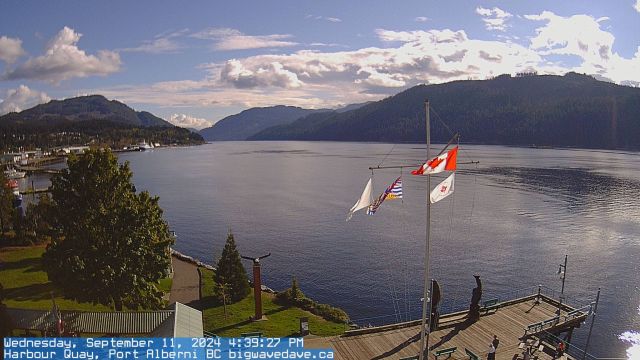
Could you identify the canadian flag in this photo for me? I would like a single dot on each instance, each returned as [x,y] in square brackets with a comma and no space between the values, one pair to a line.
[446,161]
[444,189]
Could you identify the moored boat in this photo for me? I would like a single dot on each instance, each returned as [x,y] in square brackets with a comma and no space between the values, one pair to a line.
[12,173]
[143,146]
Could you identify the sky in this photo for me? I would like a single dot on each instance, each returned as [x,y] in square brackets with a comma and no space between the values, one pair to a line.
[195,62]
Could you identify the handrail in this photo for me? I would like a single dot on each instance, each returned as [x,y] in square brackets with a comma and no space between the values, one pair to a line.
[460,304]
[540,326]
[575,351]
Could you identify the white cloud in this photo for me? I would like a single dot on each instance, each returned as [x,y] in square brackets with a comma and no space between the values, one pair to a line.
[319,44]
[63,60]
[271,74]
[637,6]
[187,121]
[325,18]
[156,46]
[494,19]
[421,19]
[558,36]
[232,39]
[162,43]
[317,79]
[10,49]
[21,98]
[320,79]
[591,44]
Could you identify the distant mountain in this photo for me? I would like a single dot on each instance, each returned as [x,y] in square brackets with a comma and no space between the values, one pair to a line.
[352,107]
[303,128]
[572,110]
[87,120]
[248,122]
[81,109]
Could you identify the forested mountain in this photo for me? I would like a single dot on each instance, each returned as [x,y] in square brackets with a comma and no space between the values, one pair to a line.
[81,109]
[251,121]
[547,110]
[87,120]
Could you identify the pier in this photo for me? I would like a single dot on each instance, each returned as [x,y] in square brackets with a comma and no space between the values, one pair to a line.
[37,170]
[528,322]
[32,191]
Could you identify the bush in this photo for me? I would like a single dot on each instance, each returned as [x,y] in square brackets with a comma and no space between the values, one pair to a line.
[294,297]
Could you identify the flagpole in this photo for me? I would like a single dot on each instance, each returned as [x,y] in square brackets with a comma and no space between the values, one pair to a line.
[426,295]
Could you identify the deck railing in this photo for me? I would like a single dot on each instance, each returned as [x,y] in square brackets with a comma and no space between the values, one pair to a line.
[572,350]
[462,304]
[554,321]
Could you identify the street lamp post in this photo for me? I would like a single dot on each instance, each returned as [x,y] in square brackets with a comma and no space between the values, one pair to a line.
[562,271]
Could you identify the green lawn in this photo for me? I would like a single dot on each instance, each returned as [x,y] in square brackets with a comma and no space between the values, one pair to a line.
[165,284]
[281,321]
[26,284]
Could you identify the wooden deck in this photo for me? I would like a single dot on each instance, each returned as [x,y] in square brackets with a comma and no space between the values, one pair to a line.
[508,322]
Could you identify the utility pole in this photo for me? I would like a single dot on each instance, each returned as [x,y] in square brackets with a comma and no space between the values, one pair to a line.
[562,271]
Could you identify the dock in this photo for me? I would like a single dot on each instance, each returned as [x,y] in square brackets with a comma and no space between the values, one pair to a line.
[38,170]
[31,191]
[520,324]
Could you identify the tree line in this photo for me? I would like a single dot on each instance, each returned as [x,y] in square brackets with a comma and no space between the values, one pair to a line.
[103,133]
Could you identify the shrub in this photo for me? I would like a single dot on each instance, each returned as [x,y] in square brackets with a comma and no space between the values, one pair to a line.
[294,297]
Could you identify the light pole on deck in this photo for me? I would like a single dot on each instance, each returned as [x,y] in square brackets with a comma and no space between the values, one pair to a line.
[562,271]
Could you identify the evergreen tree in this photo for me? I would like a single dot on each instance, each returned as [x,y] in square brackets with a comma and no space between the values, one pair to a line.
[113,246]
[296,294]
[230,271]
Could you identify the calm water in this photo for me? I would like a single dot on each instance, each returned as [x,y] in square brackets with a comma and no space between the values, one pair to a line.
[511,219]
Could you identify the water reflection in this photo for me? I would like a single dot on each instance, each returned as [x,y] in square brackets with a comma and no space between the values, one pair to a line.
[582,191]
[633,339]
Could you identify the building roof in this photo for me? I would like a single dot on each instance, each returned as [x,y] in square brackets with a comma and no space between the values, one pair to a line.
[187,323]
[179,319]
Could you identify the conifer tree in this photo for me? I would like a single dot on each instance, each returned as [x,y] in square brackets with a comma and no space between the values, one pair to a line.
[296,294]
[231,272]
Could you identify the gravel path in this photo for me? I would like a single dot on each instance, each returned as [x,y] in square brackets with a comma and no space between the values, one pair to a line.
[186,282]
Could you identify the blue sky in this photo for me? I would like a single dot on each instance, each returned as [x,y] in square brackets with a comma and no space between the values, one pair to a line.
[194,62]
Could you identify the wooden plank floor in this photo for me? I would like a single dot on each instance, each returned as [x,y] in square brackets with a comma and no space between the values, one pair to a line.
[508,323]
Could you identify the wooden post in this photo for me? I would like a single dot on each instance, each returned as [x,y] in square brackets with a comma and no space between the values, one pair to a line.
[257,289]
[257,284]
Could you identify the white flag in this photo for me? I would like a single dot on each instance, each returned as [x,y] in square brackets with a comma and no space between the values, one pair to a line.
[443,189]
[364,202]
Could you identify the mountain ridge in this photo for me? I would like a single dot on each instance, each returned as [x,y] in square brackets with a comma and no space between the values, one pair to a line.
[546,110]
[87,120]
[83,108]
[250,121]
